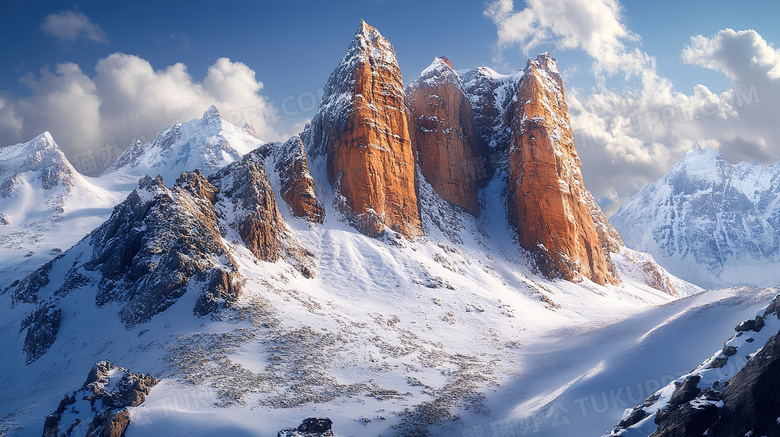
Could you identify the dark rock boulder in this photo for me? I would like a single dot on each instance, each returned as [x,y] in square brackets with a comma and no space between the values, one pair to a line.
[632,419]
[42,326]
[687,420]
[686,391]
[751,325]
[99,408]
[310,427]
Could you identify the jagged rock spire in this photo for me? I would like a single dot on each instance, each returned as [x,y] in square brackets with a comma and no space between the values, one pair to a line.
[362,129]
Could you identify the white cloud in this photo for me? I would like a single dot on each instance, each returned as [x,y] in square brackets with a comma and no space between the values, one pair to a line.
[632,135]
[72,25]
[627,138]
[126,99]
[594,26]
[741,56]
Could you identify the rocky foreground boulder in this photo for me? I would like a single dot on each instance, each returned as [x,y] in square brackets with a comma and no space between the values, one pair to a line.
[99,407]
[733,393]
[310,427]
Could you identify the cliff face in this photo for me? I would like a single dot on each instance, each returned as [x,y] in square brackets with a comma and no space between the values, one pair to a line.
[297,182]
[362,128]
[161,243]
[450,153]
[548,203]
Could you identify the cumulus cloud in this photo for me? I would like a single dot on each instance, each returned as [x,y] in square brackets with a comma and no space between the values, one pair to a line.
[741,56]
[72,25]
[594,26]
[630,137]
[126,99]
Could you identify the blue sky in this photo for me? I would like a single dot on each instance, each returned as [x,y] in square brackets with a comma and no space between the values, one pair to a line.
[281,49]
[294,45]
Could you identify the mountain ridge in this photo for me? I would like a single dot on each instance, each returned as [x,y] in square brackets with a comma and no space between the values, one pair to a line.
[711,222]
[252,283]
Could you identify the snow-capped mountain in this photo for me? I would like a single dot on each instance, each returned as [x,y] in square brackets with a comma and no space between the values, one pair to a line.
[207,144]
[327,281]
[491,95]
[45,205]
[708,221]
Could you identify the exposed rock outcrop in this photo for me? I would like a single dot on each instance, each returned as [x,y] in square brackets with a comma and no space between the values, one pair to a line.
[491,95]
[362,128]
[548,205]
[450,152]
[42,326]
[310,427]
[155,243]
[297,183]
[99,408]
[161,243]
[745,407]
[246,196]
[733,393]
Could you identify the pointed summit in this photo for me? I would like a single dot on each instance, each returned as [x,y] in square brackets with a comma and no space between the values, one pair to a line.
[439,71]
[450,152]
[546,63]
[365,28]
[211,112]
[362,128]
[548,201]
[41,157]
[208,143]
[45,139]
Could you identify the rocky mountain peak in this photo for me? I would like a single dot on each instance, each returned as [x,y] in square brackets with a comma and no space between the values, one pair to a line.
[40,162]
[362,128]
[207,143]
[546,63]
[439,71]
[548,201]
[450,153]
[369,45]
[712,222]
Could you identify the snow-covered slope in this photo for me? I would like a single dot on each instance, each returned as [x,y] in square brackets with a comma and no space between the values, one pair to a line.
[207,144]
[45,206]
[729,394]
[708,221]
[388,337]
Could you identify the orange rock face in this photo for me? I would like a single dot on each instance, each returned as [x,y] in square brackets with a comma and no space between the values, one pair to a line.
[548,204]
[363,129]
[449,151]
[297,182]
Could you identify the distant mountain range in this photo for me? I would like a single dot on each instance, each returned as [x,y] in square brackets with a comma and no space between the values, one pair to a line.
[708,221]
